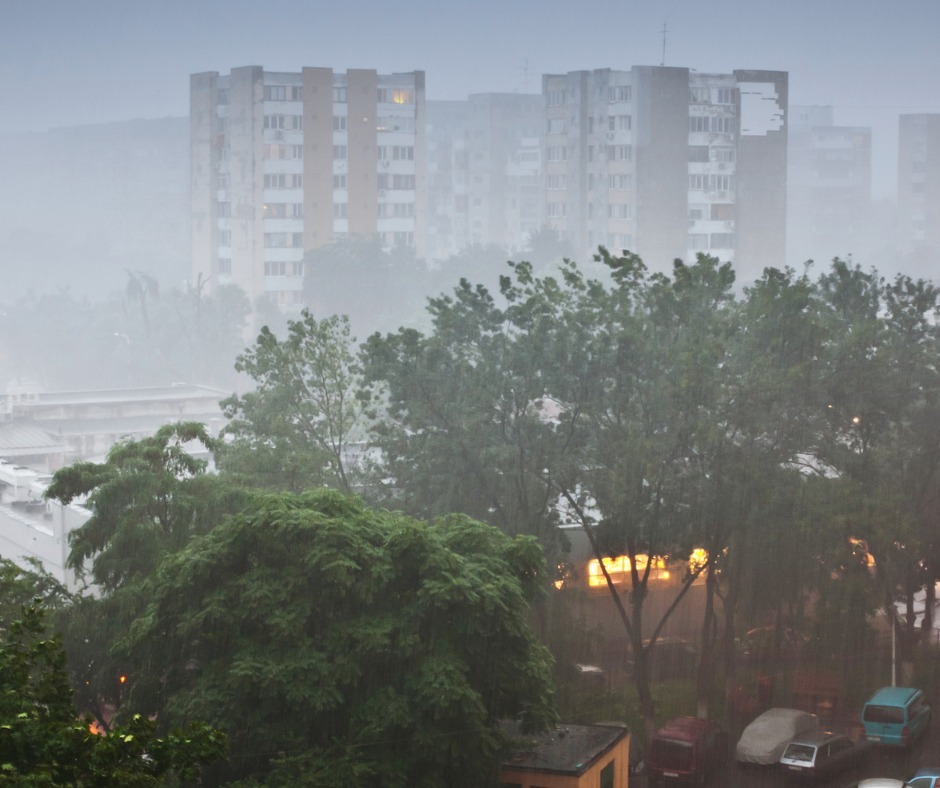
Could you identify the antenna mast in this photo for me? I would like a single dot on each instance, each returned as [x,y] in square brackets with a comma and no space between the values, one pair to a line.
[663,63]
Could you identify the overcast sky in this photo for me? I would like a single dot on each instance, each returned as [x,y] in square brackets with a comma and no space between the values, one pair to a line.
[71,62]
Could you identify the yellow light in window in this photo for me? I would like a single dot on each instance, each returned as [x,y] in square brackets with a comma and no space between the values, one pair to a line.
[698,559]
[618,568]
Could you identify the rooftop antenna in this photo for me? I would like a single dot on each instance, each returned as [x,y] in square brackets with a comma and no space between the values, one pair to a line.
[663,63]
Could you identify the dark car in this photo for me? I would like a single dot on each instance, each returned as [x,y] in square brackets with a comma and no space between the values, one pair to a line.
[686,750]
[821,755]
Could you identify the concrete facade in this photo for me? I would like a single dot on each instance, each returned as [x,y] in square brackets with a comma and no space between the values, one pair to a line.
[484,172]
[668,162]
[919,185]
[829,202]
[283,163]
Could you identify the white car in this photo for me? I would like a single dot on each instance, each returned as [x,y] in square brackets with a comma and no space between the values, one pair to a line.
[765,739]
[881,782]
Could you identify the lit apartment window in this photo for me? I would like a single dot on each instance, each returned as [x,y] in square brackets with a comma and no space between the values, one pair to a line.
[402,96]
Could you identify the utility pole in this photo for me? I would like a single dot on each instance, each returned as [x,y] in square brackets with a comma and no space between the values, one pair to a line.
[663,63]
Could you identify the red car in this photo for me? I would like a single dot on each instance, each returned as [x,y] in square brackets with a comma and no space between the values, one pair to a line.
[686,750]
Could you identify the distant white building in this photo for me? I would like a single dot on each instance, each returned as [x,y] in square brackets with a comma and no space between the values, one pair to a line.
[34,529]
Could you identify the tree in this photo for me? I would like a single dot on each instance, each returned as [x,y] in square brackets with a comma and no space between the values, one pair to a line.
[42,743]
[148,500]
[296,429]
[321,634]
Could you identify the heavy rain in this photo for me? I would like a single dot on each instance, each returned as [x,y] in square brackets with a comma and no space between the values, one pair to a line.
[428,394]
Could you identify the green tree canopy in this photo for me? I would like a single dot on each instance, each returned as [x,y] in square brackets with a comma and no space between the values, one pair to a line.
[319,633]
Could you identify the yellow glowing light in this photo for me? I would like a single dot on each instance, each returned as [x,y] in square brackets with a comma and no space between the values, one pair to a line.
[856,420]
[698,559]
[619,569]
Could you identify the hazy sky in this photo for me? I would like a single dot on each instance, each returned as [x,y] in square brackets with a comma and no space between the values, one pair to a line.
[70,62]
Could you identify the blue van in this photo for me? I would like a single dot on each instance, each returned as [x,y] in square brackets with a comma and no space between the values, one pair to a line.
[895,716]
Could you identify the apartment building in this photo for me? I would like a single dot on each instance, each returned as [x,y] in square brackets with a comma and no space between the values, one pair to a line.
[919,185]
[283,163]
[484,172]
[829,202]
[668,162]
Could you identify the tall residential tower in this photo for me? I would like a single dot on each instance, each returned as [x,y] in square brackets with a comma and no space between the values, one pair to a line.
[282,163]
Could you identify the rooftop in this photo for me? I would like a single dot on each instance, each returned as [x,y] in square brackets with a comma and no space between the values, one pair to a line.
[566,749]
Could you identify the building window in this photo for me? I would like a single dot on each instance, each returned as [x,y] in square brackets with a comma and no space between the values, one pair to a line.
[297,210]
[224,180]
[619,182]
[617,94]
[619,123]
[297,268]
[296,151]
[339,210]
[619,211]
[224,210]
[557,181]
[722,125]
[296,93]
[698,242]
[556,125]
[275,268]
[723,154]
[274,122]
[555,98]
[725,96]
[698,183]
[339,152]
[296,181]
[275,93]
[402,96]
[698,153]
[700,96]
[223,96]
[339,181]
[619,152]
[403,152]
[722,212]
[722,241]
[339,95]
[698,123]
[275,181]
[557,210]
[557,153]
[339,123]
[225,265]
[225,237]
[720,183]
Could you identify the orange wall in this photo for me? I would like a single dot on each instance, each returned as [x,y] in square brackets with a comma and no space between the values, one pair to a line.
[590,779]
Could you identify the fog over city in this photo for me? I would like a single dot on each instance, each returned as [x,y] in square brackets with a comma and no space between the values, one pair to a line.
[495,393]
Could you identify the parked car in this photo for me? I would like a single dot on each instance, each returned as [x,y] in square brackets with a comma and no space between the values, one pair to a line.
[821,754]
[925,778]
[896,716]
[686,750]
[880,782]
[765,738]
